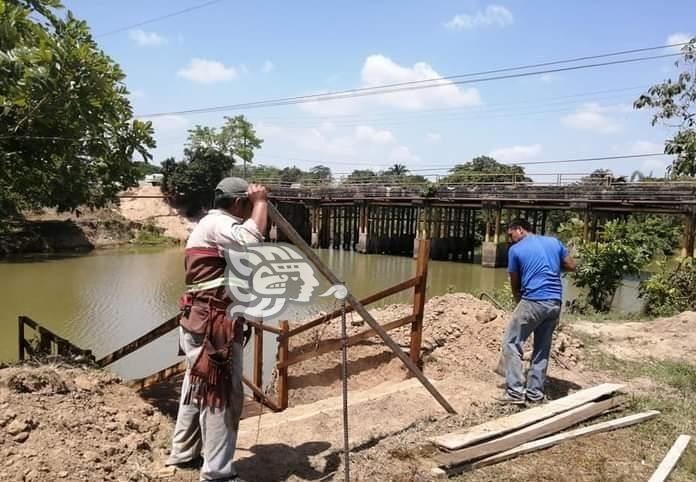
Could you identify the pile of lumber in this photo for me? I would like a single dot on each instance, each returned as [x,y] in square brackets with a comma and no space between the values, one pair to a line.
[531,430]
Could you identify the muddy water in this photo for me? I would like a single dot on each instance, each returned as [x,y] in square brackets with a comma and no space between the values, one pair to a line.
[103,300]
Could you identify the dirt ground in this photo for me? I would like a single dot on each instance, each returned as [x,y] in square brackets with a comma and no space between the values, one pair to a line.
[157,211]
[664,338]
[70,423]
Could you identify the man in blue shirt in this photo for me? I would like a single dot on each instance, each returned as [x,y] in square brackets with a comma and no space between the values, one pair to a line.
[534,265]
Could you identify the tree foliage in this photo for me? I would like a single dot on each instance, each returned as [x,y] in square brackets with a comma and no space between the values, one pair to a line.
[671,290]
[602,267]
[237,136]
[623,249]
[67,133]
[674,103]
[485,169]
[191,182]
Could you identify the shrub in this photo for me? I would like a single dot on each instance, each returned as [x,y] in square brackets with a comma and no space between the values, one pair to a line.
[670,290]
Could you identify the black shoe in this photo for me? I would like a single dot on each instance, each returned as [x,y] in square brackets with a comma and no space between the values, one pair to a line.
[196,463]
[507,399]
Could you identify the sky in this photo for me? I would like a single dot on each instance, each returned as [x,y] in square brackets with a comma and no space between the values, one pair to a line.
[230,52]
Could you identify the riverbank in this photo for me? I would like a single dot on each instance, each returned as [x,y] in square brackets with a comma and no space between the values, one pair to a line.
[118,436]
[79,232]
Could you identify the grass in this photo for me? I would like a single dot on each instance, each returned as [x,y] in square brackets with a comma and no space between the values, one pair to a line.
[149,235]
[627,454]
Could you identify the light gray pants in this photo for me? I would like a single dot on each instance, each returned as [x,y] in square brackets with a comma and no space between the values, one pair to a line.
[204,431]
[540,318]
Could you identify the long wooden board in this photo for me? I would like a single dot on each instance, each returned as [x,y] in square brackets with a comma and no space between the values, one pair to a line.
[137,344]
[532,432]
[502,426]
[564,437]
[670,461]
[551,441]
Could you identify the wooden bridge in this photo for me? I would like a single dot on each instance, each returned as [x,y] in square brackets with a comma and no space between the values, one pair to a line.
[394,218]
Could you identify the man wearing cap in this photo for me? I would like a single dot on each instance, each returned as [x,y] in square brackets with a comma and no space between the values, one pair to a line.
[211,394]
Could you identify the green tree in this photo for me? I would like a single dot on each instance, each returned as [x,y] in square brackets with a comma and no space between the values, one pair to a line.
[671,290]
[67,133]
[397,170]
[674,104]
[236,137]
[321,173]
[362,176]
[192,181]
[244,140]
[485,169]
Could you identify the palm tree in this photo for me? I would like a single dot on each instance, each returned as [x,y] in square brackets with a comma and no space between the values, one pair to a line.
[397,170]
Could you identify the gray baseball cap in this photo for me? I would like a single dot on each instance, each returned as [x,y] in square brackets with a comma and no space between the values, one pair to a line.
[231,187]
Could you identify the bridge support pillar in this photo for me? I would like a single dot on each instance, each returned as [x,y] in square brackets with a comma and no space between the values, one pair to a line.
[493,255]
[316,225]
[273,233]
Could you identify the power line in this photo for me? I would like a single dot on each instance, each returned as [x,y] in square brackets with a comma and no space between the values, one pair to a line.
[450,166]
[419,85]
[157,19]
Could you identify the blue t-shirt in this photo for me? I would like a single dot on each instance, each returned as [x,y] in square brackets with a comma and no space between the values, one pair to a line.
[538,261]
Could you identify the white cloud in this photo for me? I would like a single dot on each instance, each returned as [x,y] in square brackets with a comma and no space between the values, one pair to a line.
[492,16]
[645,147]
[370,134]
[243,69]
[206,71]
[402,154]
[548,78]
[380,70]
[268,67]
[433,137]
[146,39]
[678,38]
[170,134]
[592,117]
[517,153]
[360,144]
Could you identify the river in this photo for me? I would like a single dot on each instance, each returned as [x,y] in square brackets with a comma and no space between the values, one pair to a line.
[103,300]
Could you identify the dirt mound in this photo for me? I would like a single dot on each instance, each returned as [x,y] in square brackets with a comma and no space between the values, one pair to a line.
[461,334]
[76,424]
[157,211]
[661,339]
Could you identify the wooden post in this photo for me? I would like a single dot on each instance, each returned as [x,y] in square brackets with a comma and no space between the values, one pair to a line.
[689,235]
[419,299]
[586,226]
[20,337]
[258,359]
[283,355]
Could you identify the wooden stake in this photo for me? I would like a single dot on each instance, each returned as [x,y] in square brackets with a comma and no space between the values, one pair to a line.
[419,299]
[258,358]
[283,354]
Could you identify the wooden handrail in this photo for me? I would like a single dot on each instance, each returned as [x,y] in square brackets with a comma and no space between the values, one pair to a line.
[46,337]
[148,337]
[259,393]
[179,368]
[334,345]
[404,285]
[263,326]
[160,376]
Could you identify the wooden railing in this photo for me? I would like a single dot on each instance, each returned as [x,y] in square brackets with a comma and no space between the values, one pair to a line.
[46,343]
[284,358]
